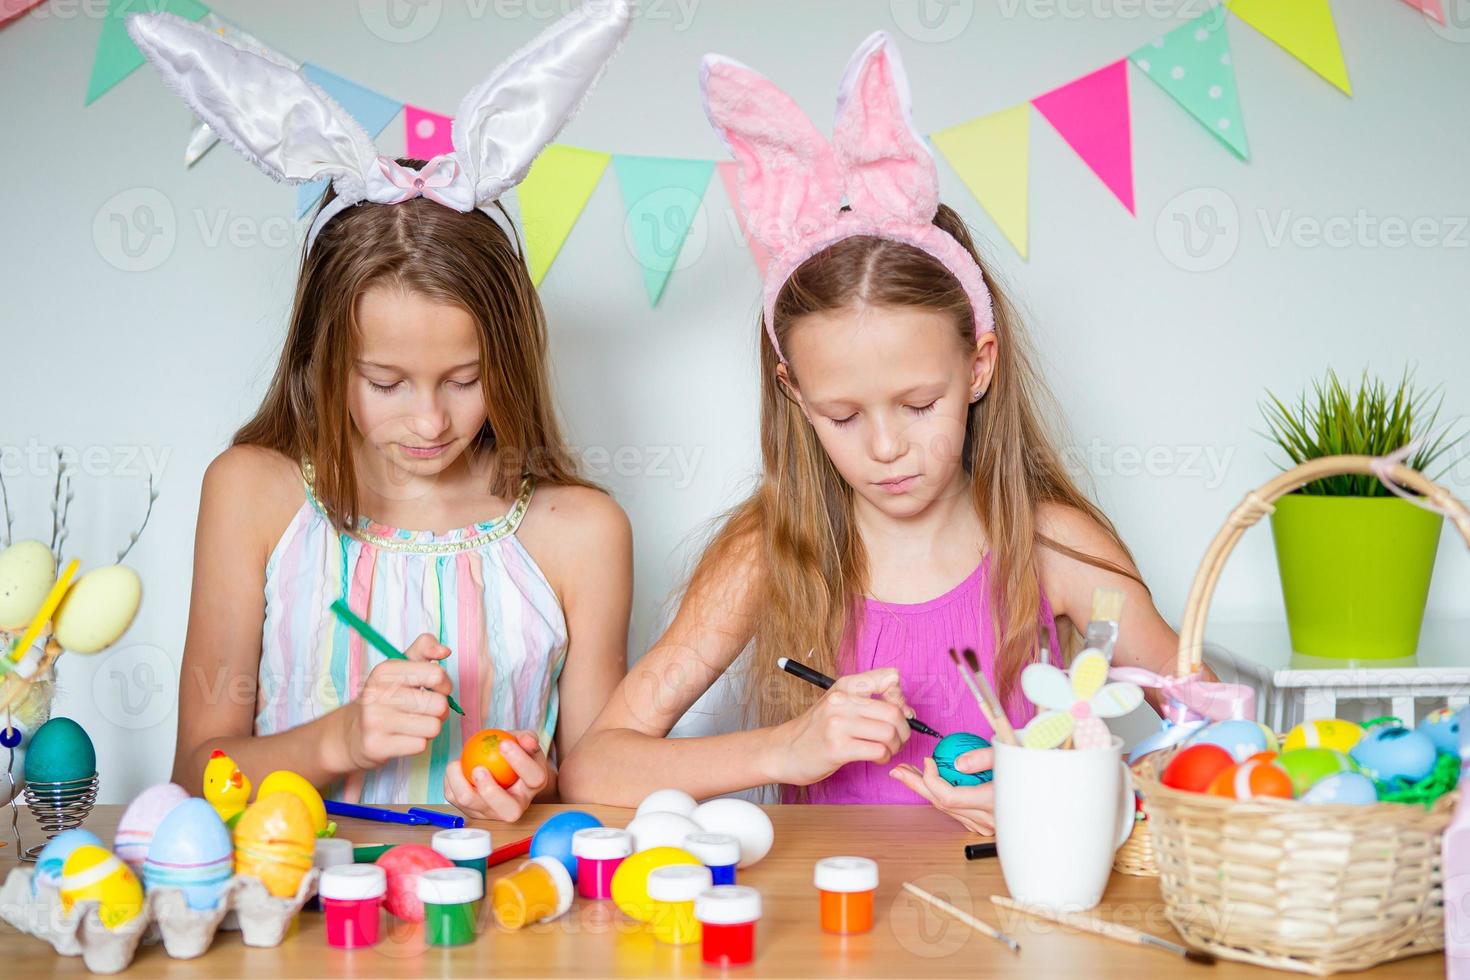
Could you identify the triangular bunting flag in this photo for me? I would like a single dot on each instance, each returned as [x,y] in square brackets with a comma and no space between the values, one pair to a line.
[117,57]
[729,170]
[1192,63]
[1304,28]
[372,110]
[1091,114]
[552,196]
[1433,9]
[661,195]
[425,133]
[10,9]
[992,155]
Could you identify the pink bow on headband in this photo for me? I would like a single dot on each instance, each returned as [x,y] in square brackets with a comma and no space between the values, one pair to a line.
[1190,698]
[793,181]
[437,173]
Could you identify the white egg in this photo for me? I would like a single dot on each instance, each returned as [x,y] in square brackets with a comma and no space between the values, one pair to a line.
[742,820]
[667,801]
[98,609]
[27,572]
[661,830]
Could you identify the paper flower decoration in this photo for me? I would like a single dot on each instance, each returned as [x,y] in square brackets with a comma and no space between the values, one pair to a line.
[1075,706]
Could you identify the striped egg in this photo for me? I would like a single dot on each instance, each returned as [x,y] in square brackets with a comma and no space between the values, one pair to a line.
[191,851]
[274,842]
[1255,778]
[53,856]
[141,818]
[94,873]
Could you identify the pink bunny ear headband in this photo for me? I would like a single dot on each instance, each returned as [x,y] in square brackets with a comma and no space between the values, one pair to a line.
[793,181]
[294,132]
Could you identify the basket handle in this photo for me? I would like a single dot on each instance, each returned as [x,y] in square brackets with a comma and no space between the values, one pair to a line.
[1257,504]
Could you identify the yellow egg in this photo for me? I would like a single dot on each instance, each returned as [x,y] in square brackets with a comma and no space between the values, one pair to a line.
[95,873]
[274,842]
[286,781]
[98,609]
[27,572]
[630,881]
[1324,733]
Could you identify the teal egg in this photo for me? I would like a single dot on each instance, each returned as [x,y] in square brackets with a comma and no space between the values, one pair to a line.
[59,751]
[950,748]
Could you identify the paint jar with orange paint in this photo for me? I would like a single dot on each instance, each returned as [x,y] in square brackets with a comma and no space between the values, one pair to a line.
[846,886]
[539,890]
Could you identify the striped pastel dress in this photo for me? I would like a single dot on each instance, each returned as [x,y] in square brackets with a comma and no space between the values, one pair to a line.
[476,588]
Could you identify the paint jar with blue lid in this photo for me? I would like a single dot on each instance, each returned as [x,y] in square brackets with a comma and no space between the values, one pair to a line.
[718,852]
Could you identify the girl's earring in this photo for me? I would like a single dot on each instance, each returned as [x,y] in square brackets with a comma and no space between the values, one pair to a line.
[975,396]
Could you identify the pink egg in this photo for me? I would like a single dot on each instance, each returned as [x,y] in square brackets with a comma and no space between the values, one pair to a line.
[141,819]
[403,865]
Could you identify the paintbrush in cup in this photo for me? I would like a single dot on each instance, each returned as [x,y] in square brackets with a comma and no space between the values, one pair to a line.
[1000,725]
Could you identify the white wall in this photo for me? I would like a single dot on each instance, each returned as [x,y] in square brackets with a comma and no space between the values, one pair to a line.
[1142,354]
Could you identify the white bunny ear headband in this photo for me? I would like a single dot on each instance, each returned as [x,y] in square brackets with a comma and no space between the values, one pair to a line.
[793,180]
[296,133]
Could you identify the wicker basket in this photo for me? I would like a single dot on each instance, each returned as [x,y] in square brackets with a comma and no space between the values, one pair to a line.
[1136,857]
[1279,883]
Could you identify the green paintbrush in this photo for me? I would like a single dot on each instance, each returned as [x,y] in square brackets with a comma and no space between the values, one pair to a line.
[375,638]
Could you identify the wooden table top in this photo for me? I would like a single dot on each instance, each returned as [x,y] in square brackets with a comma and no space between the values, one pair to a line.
[917,844]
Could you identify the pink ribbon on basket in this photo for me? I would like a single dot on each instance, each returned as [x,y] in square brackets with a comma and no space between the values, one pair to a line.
[1192,698]
[1382,467]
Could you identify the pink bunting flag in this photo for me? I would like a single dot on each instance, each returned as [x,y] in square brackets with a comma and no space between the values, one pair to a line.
[728,170]
[10,9]
[425,133]
[1092,115]
[1433,9]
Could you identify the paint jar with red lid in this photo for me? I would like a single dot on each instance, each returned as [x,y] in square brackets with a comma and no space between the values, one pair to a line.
[727,916]
[599,851]
[352,900]
[846,885]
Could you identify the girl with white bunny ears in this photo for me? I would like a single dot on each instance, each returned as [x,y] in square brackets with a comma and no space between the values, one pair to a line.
[413,387]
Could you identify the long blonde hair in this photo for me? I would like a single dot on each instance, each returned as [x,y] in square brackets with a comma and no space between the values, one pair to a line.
[464,259]
[797,527]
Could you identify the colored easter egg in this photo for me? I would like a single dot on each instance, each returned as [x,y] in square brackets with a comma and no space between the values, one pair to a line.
[667,801]
[1194,767]
[1323,733]
[1307,766]
[1168,734]
[402,865]
[483,749]
[742,820]
[1342,787]
[27,573]
[1251,780]
[1442,725]
[60,751]
[53,856]
[659,829]
[554,837]
[191,850]
[98,609]
[274,842]
[139,821]
[1241,738]
[94,873]
[286,781]
[630,881]
[950,748]
[1389,752]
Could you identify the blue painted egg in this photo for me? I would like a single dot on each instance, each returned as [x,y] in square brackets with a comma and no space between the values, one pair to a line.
[53,856]
[1342,787]
[192,851]
[1241,738]
[60,751]
[1442,725]
[1168,735]
[554,837]
[950,748]
[1389,752]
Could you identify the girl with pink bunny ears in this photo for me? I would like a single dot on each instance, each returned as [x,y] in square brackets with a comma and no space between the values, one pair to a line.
[911,498]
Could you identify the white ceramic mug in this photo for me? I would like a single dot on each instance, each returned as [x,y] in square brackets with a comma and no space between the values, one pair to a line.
[1060,814]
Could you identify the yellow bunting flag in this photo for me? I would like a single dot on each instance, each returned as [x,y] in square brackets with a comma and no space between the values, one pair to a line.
[552,197]
[1304,28]
[992,156]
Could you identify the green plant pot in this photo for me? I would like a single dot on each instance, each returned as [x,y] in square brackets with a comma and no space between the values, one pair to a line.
[1355,573]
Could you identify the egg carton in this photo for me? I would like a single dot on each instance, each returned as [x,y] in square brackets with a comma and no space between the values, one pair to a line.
[244,906]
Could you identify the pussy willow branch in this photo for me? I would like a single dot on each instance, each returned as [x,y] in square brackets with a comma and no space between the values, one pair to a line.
[133,538]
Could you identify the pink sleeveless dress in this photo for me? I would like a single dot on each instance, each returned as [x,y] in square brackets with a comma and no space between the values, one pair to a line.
[916,638]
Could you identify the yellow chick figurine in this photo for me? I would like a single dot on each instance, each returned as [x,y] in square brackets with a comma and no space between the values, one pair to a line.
[225,787]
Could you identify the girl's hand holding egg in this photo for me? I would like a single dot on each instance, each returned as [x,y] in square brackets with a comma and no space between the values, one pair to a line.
[401,708]
[862,718]
[495,794]
[972,806]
